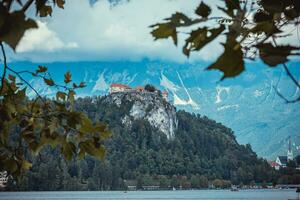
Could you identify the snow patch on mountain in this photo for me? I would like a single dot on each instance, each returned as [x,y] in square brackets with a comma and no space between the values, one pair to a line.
[220,90]
[100,84]
[167,84]
[190,101]
[258,93]
[227,107]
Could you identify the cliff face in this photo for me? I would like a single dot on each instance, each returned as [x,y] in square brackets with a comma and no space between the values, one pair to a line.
[148,106]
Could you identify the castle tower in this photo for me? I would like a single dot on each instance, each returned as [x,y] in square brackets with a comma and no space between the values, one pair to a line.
[290,152]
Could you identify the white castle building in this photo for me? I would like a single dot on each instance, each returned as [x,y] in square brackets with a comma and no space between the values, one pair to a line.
[116,87]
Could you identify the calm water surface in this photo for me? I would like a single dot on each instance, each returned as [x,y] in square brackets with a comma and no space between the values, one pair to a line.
[154,195]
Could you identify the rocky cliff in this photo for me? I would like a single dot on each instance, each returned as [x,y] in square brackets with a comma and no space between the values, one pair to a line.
[149,106]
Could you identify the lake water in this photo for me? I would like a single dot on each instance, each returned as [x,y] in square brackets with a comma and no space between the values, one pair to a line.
[154,195]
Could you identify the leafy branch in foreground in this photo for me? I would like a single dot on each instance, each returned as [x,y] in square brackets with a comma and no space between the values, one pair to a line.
[27,125]
[31,124]
[252,29]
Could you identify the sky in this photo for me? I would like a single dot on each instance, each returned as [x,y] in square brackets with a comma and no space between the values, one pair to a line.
[107,32]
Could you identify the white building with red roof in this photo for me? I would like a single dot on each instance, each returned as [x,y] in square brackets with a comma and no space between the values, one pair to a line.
[115,87]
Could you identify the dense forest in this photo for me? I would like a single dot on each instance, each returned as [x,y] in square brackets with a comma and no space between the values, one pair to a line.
[203,153]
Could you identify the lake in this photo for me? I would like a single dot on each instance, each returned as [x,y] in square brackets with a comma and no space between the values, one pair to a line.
[154,195]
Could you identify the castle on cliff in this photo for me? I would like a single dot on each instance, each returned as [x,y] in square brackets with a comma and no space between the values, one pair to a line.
[116,87]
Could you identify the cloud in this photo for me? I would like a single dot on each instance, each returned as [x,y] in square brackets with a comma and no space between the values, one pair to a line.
[42,39]
[104,32]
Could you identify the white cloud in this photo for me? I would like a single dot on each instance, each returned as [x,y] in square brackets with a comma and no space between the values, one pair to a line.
[103,32]
[107,33]
[42,39]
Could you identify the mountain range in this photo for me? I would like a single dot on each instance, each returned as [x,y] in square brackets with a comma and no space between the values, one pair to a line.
[247,104]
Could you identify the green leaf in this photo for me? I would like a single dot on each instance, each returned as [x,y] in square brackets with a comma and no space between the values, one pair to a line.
[100,127]
[11,165]
[201,37]
[12,78]
[53,140]
[163,31]
[42,9]
[105,135]
[274,5]
[179,19]
[267,27]
[75,86]
[90,148]
[262,16]
[203,10]
[71,96]
[60,3]
[67,77]
[53,126]
[61,95]
[68,150]
[231,62]
[231,5]
[49,82]
[274,56]
[73,119]
[41,69]
[26,165]
[82,85]
[86,125]
[13,27]
[28,136]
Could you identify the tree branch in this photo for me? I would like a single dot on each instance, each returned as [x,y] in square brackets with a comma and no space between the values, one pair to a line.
[291,75]
[5,67]
[27,5]
[284,98]
[26,82]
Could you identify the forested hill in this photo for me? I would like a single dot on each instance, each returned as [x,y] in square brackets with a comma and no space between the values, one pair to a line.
[151,144]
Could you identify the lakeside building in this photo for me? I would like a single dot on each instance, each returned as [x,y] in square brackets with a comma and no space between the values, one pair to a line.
[282,161]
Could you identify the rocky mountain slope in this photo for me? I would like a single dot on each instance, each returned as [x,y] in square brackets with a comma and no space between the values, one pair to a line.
[147,106]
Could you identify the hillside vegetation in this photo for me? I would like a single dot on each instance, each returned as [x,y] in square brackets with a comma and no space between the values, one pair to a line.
[201,152]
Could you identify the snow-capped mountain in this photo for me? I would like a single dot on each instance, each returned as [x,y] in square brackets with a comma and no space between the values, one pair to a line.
[248,104]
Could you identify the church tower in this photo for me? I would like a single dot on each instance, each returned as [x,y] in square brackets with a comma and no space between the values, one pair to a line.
[290,152]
